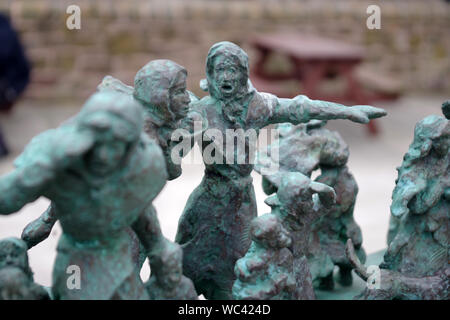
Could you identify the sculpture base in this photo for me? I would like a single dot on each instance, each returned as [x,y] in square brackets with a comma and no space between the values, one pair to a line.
[347,293]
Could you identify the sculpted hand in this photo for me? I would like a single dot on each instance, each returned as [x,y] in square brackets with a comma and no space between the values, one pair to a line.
[362,114]
[39,229]
[71,146]
[327,195]
[55,149]
[51,151]
[35,232]
[404,191]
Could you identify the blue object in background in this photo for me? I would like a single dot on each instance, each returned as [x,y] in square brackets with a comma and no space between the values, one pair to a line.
[14,70]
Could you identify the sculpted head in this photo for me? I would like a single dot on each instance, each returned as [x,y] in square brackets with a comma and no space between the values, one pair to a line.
[227,71]
[115,121]
[268,231]
[13,253]
[431,133]
[161,88]
[168,266]
[294,191]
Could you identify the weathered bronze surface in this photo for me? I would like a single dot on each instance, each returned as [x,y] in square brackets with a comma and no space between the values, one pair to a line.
[214,227]
[305,148]
[160,88]
[167,281]
[101,173]
[266,270]
[416,264]
[16,277]
[103,168]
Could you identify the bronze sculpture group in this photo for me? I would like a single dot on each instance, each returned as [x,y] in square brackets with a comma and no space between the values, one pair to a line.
[103,168]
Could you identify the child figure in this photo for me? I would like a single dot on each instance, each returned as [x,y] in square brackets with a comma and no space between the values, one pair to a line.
[416,263]
[266,271]
[167,281]
[16,277]
[299,203]
[306,148]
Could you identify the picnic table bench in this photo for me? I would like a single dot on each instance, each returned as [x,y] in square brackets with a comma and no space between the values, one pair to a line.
[314,59]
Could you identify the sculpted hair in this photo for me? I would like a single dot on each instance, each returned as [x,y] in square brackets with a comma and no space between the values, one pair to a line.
[425,132]
[152,85]
[231,51]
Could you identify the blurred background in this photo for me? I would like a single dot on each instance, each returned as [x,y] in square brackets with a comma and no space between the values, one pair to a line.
[322,48]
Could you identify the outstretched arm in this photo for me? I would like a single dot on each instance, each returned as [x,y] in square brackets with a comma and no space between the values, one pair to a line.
[302,109]
[39,230]
[47,154]
[327,195]
[111,83]
[20,187]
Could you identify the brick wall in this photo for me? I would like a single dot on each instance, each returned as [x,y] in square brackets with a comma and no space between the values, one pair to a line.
[118,37]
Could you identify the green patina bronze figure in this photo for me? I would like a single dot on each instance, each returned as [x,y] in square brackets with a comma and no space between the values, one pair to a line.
[305,148]
[416,264]
[214,227]
[101,174]
[160,87]
[16,277]
[299,203]
[167,281]
[266,270]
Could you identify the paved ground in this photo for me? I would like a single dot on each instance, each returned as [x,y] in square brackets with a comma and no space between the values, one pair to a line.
[373,161]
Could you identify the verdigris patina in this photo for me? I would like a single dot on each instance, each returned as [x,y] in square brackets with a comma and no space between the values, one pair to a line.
[416,264]
[160,87]
[266,270]
[101,174]
[167,281]
[214,227]
[16,277]
[305,148]
[394,285]
[299,203]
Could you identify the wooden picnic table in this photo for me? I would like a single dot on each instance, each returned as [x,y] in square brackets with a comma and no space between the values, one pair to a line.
[314,59]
